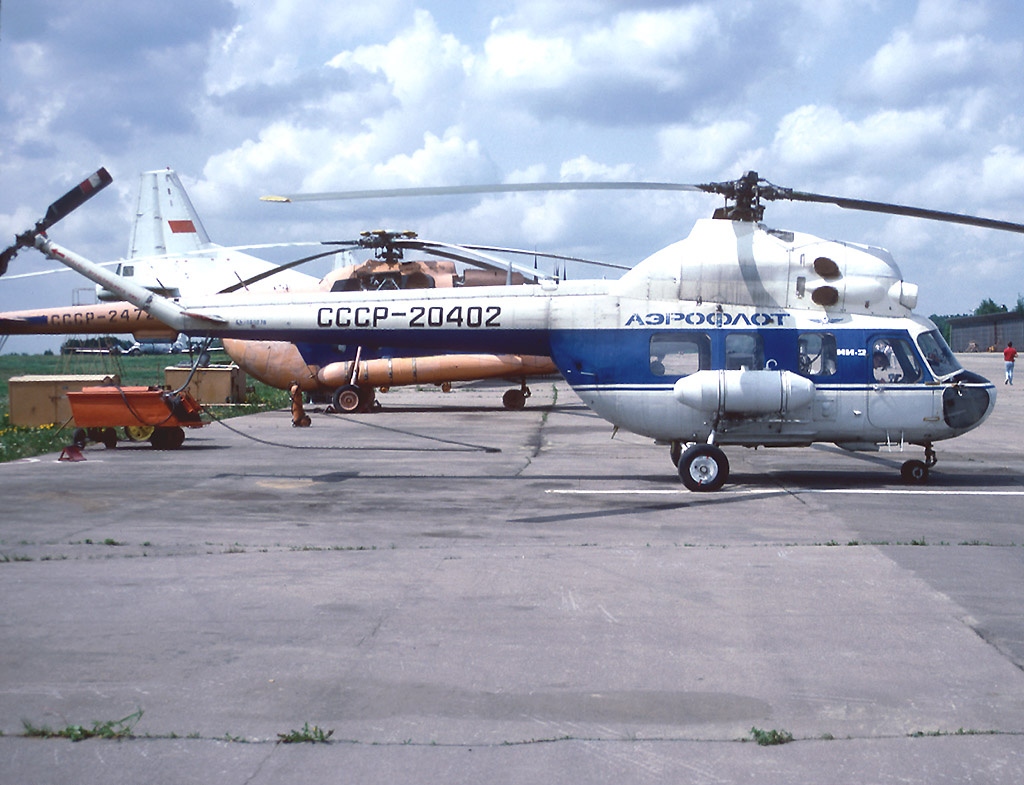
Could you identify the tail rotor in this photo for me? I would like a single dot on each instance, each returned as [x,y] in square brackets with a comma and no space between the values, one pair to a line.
[57,211]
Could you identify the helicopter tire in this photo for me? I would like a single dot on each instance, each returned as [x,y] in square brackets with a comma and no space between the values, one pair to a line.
[703,467]
[675,452]
[514,400]
[914,472]
[347,399]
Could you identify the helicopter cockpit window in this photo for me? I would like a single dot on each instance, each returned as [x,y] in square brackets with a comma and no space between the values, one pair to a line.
[817,354]
[744,352]
[938,354]
[893,361]
[679,354]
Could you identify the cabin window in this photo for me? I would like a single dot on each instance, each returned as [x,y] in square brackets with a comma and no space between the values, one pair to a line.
[817,354]
[680,354]
[938,354]
[893,361]
[744,352]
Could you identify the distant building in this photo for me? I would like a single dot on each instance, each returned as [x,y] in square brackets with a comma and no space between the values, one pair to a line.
[988,332]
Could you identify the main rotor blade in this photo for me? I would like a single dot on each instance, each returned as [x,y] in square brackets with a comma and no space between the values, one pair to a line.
[499,188]
[53,271]
[279,269]
[476,258]
[212,250]
[899,209]
[542,255]
[747,191]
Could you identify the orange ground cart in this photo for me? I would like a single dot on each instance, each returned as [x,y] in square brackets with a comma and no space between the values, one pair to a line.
[146,414]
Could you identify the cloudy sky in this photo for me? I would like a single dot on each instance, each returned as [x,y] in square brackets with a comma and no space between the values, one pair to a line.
[913,102]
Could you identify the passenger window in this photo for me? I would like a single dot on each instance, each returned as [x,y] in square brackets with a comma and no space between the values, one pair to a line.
[893,361]
[744,351]
[679,354]
[817,354]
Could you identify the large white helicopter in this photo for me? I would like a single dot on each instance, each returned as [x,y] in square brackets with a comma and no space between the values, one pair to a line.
[738,335]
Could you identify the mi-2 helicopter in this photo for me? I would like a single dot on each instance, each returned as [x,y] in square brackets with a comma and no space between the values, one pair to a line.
[737,335]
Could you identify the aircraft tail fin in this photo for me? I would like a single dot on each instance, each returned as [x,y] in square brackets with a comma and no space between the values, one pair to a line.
[165,220]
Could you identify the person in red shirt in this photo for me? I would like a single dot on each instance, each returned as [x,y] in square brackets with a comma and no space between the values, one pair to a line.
[1009,355]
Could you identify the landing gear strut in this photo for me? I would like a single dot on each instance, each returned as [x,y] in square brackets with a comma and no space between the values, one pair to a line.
[916,472]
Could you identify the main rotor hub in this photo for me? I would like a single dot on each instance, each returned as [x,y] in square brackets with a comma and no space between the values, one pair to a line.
[385,244]
[746,195]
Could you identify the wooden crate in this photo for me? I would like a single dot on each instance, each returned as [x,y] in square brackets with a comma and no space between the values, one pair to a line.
[42,399]
[213,384]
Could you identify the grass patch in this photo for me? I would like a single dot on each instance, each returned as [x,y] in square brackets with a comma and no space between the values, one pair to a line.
[770,738]
[308,735]
[112,729]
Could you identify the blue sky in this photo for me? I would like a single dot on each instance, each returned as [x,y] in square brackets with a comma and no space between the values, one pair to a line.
[918,103]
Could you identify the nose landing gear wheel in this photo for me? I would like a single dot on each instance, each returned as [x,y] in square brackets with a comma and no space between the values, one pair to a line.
[514,400]
[914,472]
[703,467]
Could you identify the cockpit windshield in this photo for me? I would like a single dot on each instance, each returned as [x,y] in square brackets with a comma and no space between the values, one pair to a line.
[939,356]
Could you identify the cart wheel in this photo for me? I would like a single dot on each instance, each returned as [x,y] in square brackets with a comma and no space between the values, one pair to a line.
[138,433]
[109,437]
[79,438]
[167,438]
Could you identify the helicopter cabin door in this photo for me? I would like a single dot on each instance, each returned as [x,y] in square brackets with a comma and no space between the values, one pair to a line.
[898,397]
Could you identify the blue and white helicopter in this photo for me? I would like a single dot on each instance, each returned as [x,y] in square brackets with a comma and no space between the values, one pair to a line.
[738,335]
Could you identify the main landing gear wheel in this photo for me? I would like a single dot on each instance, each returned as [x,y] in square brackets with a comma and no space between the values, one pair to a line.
[351,398]
[703,467]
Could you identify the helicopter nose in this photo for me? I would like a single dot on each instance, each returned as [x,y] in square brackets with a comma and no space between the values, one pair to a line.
[968,402]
